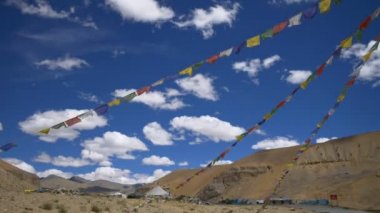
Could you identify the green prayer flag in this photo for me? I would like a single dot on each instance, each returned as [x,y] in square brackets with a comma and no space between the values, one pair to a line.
[358,35]
[267,34]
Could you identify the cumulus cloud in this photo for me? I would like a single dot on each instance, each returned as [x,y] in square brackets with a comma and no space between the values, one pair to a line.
[199,85]
[205,20]
[371,70]
[89,97]
[123,176]
[62,160]
[221,162]
[323,140]
[207,126]
[297,76]
[254,66]
[157,135]
[42,120]
[20,164]
[43,9]
[54,172]
[274,143]
[155,160]
[64,63]
[148,11]
[111,144]
[155,99]
[183,163]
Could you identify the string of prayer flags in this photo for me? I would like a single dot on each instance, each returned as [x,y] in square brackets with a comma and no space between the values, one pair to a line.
[251,42]
[324,6]
[306,145]
[7,147]
[318,72]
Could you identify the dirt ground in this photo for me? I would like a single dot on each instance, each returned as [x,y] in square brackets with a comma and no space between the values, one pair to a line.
[15,202]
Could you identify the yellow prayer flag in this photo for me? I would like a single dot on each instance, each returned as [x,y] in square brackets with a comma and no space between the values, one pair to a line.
[367,56]
[290,165]
[324,6]
[267,116]
[114,102]
[187,71]
[240,137]
[346,43]
[304,84]
[254,41]
[341,97]
[45,131]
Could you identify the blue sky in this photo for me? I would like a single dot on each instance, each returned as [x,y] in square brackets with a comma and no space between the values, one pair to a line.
[61,58]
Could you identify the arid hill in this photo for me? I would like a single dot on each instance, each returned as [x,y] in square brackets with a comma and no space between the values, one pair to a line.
[15,179]
[348,167]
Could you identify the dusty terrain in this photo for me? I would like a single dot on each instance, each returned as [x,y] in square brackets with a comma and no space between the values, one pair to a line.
[17,202]
[348,167]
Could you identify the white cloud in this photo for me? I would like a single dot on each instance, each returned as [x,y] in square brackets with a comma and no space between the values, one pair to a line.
[204,20]
[1,127]
[297,76]
[183,163]
[64,63]
[42,120]
[275,2]
[20,164]
[157,135]
[43,9]
[61,160]
[221,162]
[142,10]
[155,160]
[207,126]
[254,66]
[123,176]
[323,140]
[89,97]
[112,144]
[274,143]
[199,85]
[155,99]
[371,70]
[54,172]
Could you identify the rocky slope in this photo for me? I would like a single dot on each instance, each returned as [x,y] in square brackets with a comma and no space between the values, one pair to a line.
[15,179]
[348,167]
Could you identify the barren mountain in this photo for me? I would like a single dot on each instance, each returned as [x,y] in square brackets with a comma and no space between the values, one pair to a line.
[15,179]
[348,167]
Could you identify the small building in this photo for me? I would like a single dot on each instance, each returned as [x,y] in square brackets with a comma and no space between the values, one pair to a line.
[157,191]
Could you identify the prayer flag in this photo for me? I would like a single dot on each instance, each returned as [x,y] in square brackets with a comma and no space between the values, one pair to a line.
[367,56]
[100,110]
[250,130]
[253,41]
[331,111]
[320,69]
[226,52]
[157,83]
[330,60]
[376,13]
[307,81]
[279,27]
[262,122]
[197,65]
[346,43]
[365,23]
[295,20]
[324,6]
[187,71]
[7,147]
[358,35]
[337,52]
[295,90]
[45,131]
[268,116]
[281,104]
[129,97]
[85,115]
[238,48]
[143,90]
[290,165]
[310,12]
[337,2]
[341,97]
[57,126]
[267,34]
[241,136]
[374,47]
[213,59]
[72,121]
[114,102]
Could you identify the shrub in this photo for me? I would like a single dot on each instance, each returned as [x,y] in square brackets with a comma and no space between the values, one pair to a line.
[47,206]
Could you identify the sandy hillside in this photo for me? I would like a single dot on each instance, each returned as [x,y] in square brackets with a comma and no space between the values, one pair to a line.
[348,167]
[15,179]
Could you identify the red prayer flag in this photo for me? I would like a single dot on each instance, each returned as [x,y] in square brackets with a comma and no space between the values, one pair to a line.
[72,121]
[320,69]
[333,197]
[279,27]
[365,23]
[351,82]
[143,90]
[213,59]
[281,104]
